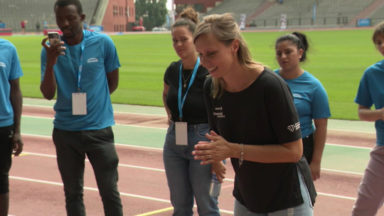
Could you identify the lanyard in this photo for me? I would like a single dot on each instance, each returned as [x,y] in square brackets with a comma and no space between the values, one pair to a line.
[80,65]
[181,101]
[80,69]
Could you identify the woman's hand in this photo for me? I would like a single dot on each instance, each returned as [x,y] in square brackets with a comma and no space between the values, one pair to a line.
[215,150]
[219,169]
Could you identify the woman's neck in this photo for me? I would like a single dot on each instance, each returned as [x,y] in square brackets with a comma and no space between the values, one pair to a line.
[241,78]
[291,74]
[189,63]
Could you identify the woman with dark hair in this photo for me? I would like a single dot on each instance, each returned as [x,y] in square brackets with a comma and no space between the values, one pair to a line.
[310,97]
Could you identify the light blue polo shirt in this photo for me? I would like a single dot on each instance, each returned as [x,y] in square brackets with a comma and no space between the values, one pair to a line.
[311,100]
[371,92]
[10,69]
[99,58]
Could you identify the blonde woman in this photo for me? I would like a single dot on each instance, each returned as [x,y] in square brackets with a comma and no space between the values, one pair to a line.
[254,123]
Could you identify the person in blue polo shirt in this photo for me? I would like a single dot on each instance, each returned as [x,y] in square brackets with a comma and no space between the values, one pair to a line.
[83,70]
[10,115]
[310,97]
[371,93]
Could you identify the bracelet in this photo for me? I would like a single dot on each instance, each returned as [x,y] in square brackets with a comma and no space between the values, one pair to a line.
[241,158]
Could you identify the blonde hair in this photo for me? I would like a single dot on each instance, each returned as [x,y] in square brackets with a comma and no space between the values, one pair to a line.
[226,30]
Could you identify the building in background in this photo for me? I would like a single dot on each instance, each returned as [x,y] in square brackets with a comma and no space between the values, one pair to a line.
[119,16]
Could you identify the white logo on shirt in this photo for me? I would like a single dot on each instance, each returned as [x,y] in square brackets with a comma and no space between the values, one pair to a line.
[92,60]
[296,95]
[2,64]
[294,127]
[218,112]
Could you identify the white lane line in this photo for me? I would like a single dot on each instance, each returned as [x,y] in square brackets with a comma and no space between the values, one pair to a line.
[153,148]
[86,188]
[117,144]
[349,146]
[336,196]
[120,164]
[226,179]
[342,172]
[96,190]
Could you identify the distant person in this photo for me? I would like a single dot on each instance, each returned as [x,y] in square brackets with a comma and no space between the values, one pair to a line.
[45,24]
[371,93]
[37,26]
[83,78]
[309,95]
[23,24]
[184,104]
[11,106]
[2,24]
[254,122]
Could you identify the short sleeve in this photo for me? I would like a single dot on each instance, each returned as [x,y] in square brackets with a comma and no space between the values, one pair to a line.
[363,96]
[281,111]
[111,59]
[320,105]
[167,74]
[16,71]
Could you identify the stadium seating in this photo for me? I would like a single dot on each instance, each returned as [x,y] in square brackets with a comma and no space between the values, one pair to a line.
[12,12]
[299,13]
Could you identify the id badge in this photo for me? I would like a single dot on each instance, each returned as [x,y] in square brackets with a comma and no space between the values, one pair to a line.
[181,133]
[79,103]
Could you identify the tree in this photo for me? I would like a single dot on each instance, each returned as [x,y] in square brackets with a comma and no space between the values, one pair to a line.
[153,12]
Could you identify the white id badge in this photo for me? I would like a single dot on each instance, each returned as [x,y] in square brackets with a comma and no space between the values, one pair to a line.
[181,133]
[79,103]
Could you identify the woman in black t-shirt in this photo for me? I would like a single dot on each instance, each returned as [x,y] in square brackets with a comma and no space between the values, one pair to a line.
[254,122]
[188,123]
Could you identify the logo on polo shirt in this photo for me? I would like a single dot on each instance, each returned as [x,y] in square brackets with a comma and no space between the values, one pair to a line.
[296,95]
[294,127]
[92,60]
[2,64]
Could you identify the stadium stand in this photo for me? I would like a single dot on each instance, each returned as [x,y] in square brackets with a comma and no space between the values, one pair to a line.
[247,7]
[303,13]
[377,13]
[13,12]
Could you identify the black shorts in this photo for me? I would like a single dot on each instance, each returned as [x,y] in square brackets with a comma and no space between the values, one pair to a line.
[6,134]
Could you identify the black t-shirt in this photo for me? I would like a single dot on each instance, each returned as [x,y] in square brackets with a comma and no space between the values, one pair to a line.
[194,111]
[262,114]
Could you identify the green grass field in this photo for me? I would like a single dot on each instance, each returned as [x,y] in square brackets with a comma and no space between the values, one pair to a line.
[336,58]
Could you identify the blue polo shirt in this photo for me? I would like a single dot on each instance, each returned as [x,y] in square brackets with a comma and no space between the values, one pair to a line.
[99,58]
[371,92]
[311,100]
[10,69]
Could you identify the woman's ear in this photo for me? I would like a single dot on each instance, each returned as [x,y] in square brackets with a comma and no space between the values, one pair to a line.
[235,46]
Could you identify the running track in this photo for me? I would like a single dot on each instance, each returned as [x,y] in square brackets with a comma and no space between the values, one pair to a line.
[36,187]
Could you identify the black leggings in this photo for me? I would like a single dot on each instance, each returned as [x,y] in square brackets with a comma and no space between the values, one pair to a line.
[6,134]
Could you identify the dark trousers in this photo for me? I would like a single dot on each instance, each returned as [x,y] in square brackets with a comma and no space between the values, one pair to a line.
[5,157]
[98,146]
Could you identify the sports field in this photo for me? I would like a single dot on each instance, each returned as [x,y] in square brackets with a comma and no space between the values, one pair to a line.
[337,58]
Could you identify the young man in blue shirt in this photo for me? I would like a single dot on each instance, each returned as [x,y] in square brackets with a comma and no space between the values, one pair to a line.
[10,115]
[83,70]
